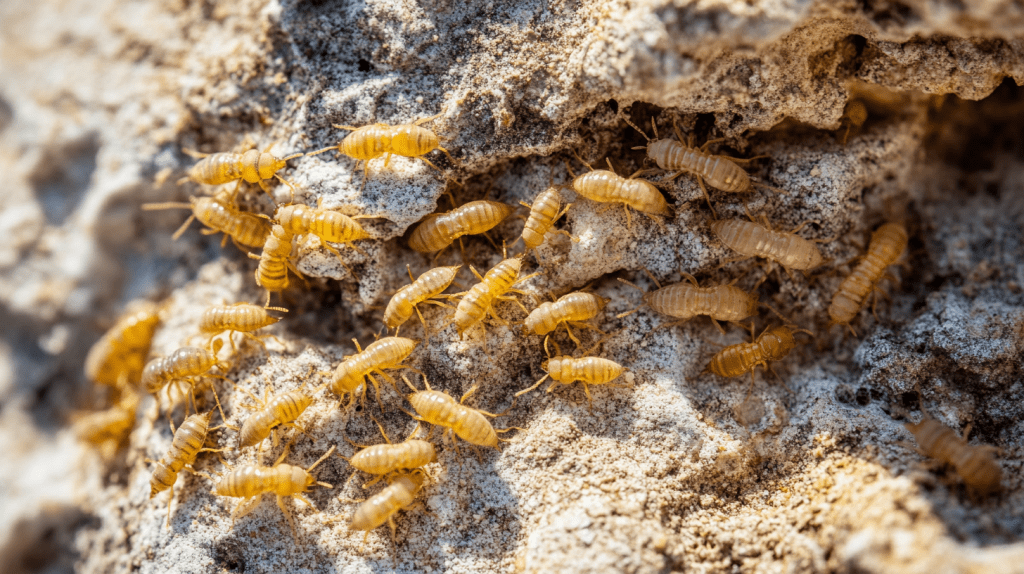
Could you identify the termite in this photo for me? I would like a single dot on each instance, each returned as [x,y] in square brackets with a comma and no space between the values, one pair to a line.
[120,354]
[252,166]
[108,429]
[439,408]
[381,507]
[544,212]
[278,411]
[424,289]
[888,243]
[688,300]
[186,445]
[219,215]
[569,310]
[609,187]
[251,482]
[721,172]
[328,225]
[183,365]
[272,273]
[439,230]
[370,142]
[771,345]
[785,248]
[977,467]
[567,370]
[383,459]
[240,317]
[386,353]
[479,301]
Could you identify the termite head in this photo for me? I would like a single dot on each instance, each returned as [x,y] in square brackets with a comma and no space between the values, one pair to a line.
[268,165]
[413,480]
[660,148]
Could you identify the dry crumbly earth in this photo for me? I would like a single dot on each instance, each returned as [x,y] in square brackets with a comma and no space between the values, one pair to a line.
[683,471]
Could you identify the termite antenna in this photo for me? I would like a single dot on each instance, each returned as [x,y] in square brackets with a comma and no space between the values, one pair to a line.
[631,124]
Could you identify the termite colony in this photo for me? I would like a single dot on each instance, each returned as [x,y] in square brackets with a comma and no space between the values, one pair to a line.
[120,359]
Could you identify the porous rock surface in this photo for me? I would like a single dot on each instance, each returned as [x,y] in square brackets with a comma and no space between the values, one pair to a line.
[680,471]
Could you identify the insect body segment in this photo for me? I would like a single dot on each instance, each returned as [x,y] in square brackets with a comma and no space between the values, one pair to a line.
[479,300]
[386,353]
[120,354]
[771,345]
[383,506]
[251,482]
[544,212]
[608,187]
[280,410]
[570,309]
[252,166]
[425,288]
[888,243]
[588,370]
[687,300]
[372,141]
[272,273]
[183,365]
[241,317]
[469,424]
[382,459]
[108,429]
[438,231]
[720,172]
[329,225]
[975,464]
[187,443]
[220,215]
[753,240]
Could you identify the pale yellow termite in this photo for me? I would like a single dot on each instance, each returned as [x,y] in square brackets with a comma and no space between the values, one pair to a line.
[439,230]
[721,172]
[251,482]
[753,240]
[240,317]
[272,273]
[386,353]
[439,408]
[220,215]
[544,212]
[688,300]
[186,445]
[977,467]
[609,187]
[381,507]
[588,370]
[479,301]
[120,354]
[184,365]
[271,412]
[569,310]
[424,289]
[888,243]
[108,429]
[252,166]
[383,459]
[328,225]
[771,345]
[370,142]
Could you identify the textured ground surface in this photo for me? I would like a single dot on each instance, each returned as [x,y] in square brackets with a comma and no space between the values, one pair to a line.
[682,471]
